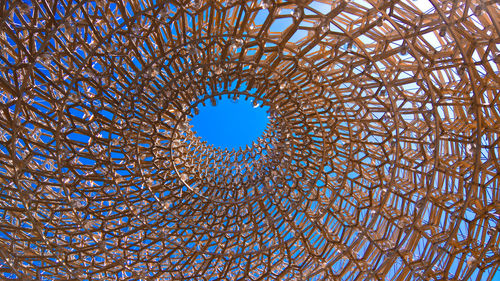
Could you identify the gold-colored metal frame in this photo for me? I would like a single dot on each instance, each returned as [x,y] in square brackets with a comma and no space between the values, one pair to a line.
[380,160]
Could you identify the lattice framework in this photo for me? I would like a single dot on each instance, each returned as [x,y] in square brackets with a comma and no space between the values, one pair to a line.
[380,160]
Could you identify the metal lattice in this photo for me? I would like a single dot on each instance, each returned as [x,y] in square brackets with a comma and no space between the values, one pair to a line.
[380,160]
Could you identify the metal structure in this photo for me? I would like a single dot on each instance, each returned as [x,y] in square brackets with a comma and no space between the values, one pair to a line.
[380,160]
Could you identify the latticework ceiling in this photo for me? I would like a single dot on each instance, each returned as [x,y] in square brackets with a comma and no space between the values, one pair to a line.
[379,162]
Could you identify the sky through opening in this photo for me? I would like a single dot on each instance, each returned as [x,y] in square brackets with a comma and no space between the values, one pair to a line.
[230,124]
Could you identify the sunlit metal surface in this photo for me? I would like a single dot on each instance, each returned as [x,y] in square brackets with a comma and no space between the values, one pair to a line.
[380,160]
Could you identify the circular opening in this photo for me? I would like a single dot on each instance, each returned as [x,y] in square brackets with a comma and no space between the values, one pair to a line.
[230,123]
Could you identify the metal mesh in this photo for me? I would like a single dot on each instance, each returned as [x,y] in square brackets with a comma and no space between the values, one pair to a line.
[379,162]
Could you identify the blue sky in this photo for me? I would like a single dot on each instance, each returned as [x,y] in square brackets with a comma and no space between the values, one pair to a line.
[230,124]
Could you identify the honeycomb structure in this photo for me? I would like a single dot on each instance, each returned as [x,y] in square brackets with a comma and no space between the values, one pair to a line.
[379,161]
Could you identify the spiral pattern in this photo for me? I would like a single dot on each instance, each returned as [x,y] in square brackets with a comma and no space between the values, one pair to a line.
[379,162]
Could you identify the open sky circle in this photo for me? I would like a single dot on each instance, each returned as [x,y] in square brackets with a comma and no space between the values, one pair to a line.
[230,124]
